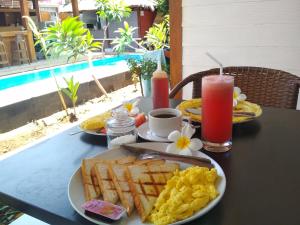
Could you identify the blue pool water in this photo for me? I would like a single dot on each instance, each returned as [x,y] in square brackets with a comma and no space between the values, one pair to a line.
[28,77]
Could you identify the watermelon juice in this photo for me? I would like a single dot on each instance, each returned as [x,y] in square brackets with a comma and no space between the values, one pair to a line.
[217,101]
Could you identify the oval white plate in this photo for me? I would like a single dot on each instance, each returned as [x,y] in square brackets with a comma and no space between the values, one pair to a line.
[76,192]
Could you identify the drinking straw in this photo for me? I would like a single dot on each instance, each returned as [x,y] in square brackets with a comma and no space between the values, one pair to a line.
[216,61]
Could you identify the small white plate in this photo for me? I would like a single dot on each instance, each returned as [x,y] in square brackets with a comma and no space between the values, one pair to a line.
[145,133]
[76,192]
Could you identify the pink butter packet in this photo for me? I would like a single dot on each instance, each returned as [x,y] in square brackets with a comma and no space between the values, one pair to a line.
[103,208]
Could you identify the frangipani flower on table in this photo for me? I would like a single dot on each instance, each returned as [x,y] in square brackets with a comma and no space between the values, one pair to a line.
[238,96]
[131,107]
[182,142]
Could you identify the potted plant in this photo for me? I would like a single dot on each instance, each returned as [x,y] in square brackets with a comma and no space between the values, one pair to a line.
[156,42]
[144,69]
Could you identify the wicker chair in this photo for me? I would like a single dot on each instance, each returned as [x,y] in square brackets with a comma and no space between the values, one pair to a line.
[266,87]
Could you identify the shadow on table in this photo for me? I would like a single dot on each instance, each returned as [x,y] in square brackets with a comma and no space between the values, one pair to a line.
[94,139]
[247,129]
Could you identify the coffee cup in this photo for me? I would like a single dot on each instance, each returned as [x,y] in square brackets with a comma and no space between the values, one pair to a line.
[165,120]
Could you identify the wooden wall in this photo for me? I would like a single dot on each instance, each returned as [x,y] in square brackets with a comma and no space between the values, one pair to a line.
[241,32]
[145,19]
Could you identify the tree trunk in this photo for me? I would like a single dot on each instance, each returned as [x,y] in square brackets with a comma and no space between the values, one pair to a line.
[105,35]
[62,100]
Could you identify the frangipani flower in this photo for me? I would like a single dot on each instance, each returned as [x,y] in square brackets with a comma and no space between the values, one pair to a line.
[131,107]
[238,96]
[182,142]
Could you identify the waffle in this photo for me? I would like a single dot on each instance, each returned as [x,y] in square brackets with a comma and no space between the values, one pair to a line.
[146,182]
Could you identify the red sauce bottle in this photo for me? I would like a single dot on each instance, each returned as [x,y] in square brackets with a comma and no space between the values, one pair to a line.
[160,88]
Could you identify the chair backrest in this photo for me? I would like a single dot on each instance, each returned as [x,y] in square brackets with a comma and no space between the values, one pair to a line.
[266,87]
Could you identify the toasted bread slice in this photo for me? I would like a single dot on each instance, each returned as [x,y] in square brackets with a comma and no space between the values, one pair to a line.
[146,182]
[90,183]
[117,173]
[104,179]
[109,192]
[92,189]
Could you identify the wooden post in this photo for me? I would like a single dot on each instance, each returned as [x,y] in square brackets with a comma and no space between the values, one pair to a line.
[138,11]
[37,10]
[175,7]
[75,8]
[25,12]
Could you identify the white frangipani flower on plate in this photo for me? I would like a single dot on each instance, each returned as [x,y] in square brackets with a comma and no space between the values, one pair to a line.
[182,142]
[131,107]
[238,96]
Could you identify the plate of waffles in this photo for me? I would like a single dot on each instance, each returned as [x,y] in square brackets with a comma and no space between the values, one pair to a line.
[122,178]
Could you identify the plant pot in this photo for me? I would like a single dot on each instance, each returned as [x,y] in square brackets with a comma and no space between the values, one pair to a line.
[146,85]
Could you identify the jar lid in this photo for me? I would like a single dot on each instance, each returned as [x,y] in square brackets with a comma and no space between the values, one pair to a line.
[121,122]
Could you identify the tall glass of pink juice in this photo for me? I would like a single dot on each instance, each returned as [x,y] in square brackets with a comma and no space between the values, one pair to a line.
[217,101]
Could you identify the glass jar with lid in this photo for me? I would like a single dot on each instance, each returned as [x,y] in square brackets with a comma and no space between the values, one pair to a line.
[120,129]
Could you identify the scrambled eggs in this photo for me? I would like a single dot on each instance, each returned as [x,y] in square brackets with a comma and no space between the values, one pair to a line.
[184,194]
[96,122]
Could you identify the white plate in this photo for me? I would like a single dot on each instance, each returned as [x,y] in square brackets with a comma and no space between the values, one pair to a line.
[76,192]
[91,131]
[145,133]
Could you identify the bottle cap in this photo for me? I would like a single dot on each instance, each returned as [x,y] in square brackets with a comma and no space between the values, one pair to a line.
[159,73]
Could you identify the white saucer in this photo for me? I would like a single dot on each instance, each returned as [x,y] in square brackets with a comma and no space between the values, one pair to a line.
[145,133]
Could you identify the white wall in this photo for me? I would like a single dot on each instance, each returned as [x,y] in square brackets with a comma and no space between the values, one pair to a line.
[263,33]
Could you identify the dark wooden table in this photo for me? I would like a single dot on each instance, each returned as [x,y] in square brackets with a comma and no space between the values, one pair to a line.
[262,170]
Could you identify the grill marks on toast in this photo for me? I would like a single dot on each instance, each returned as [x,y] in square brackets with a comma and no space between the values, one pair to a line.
[146,183]
[90,183]
[91,187]
[135,182]
[108,189]
[117,173]
[104,178]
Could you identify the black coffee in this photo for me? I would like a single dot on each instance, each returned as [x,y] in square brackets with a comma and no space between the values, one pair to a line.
[164,116]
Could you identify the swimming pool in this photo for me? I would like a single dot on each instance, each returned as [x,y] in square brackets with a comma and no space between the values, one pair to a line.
[37,75]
